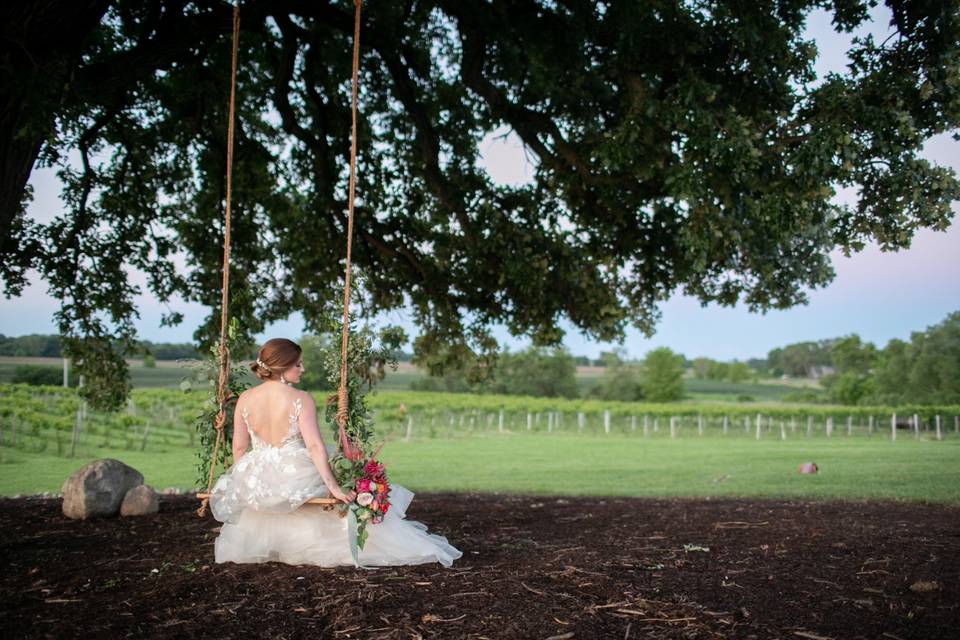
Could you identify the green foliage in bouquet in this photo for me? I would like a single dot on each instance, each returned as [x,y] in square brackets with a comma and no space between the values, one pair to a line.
[206,373]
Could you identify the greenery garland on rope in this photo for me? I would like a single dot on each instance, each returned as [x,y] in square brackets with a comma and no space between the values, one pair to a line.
[206,372]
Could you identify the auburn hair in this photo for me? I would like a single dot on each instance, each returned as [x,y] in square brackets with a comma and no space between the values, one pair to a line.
[275,356]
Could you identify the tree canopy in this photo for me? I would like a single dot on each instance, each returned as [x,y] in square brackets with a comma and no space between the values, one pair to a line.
[678,146]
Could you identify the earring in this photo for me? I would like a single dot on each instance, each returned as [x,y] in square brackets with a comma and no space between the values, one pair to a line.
[283,380]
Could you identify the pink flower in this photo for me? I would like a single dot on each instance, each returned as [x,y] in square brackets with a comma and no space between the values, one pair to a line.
[363,485]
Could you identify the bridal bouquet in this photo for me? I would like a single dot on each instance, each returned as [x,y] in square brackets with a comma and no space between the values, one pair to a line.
[368,477]
[373,498]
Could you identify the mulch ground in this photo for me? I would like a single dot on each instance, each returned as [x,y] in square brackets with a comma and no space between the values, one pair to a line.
[533,567]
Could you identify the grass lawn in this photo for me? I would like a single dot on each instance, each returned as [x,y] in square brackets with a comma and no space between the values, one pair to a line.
[570,464]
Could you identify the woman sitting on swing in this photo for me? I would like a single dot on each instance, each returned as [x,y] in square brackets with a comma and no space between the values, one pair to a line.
[261,498]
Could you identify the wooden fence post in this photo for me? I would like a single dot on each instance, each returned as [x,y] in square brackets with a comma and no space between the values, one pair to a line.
[500,426]
[606,421]
[581,419]
[529,421]
[939,435]
[849,426]
[759,424]
[783,430]
[673,426]
[916,426]
[893,426]
[646,425]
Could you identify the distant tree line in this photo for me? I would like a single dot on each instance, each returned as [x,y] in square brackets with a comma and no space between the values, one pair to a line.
[48,346]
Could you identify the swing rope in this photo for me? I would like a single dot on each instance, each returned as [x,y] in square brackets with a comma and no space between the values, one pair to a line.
[222,350]
[342,416]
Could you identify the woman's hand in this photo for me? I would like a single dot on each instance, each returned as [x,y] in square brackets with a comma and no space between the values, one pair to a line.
[346,498]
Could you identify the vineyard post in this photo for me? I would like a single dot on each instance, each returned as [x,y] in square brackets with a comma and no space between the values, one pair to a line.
[793,425]
[939,435]
[646,426]
[633,423]
[759,424]
[77,424]
[606,421]
[500,425]
[146,434]
[656,424]
[550,422]
[529,421]
[870,425]
[956,424]
[673,426]
[849,426]
[783,430]
[66,373]
[580,420]
[893,426]
[916,427]
[726,424]
[809,426]
[746,425]
[410,427]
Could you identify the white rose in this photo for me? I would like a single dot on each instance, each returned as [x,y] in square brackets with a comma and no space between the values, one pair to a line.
[364,499]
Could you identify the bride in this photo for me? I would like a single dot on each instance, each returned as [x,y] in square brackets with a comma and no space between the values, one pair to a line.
[261,498]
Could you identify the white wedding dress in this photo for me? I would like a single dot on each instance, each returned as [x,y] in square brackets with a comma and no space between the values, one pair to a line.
[261,500]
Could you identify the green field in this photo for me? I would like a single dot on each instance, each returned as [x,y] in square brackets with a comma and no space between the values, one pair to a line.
[568,464]
[577,447]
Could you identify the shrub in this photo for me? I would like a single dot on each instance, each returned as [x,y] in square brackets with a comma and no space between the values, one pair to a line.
[39,375]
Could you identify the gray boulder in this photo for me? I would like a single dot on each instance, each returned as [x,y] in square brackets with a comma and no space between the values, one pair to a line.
[98,488]
[140,501]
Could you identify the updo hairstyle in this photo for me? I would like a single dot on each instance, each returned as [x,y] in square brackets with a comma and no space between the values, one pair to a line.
[275,356]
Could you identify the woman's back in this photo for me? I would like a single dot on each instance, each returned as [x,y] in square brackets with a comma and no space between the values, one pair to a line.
[270,411]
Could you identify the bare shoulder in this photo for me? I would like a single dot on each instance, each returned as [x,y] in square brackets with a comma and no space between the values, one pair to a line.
[305,398]
[247,395]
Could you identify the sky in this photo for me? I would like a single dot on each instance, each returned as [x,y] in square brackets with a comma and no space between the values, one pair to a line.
[877,295]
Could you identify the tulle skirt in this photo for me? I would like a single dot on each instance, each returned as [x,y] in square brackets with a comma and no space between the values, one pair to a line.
[261,503]
[311,536]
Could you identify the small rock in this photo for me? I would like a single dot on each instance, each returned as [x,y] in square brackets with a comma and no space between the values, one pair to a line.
[140,501]
[98,488]
[925,586]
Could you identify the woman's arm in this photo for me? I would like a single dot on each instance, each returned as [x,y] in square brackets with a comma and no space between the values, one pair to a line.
[241,437]
[318,452]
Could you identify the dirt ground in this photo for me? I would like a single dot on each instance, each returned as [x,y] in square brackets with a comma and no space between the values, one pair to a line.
[533,567]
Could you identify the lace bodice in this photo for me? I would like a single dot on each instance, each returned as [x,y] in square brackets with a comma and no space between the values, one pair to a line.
[292,437]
